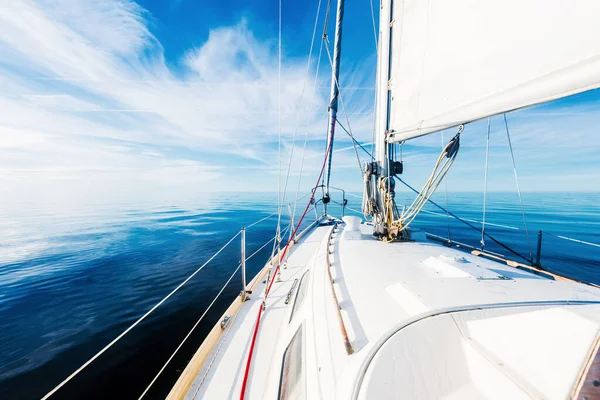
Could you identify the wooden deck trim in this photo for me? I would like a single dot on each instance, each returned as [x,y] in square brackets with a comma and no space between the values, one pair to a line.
[347,343]
[185,381]
[516,264]
[586,387]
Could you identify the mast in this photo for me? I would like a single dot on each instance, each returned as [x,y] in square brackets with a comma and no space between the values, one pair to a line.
[333,103]
[379,169]
[383,85]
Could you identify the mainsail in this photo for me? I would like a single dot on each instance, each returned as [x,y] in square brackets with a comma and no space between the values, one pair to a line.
[453,62]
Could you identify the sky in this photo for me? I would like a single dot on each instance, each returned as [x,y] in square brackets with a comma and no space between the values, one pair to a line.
[117,99]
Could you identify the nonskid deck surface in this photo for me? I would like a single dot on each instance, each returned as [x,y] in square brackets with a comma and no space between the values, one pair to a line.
[221,377]
[517,318]
[407,279]
[483,305]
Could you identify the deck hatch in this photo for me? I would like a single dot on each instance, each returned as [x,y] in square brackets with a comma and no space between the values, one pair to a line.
[300,294]
[292,385]
[459,267]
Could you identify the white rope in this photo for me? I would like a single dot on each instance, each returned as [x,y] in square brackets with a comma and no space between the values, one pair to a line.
[518,189]
[440,170]
[261,220]
[200,319]
[487,154]
[143,317]
[354,210]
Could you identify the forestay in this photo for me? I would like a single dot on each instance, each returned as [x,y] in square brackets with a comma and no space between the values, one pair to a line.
[457,61]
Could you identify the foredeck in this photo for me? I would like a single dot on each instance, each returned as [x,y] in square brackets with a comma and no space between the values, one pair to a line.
[407,279]
[385,287]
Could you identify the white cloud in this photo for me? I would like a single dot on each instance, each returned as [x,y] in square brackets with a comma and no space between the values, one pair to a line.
[87,91]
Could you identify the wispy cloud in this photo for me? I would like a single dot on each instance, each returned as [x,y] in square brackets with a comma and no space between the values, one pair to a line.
[88,96]
[87,91]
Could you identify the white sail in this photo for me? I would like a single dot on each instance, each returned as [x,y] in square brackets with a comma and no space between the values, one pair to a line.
[456,61]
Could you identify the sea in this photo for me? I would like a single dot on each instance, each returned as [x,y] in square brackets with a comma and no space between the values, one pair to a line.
[72,278]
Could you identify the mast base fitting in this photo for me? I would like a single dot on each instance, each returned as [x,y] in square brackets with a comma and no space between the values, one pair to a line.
[371,168]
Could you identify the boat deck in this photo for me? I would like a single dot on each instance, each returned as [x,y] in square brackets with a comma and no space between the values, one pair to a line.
[492,316]
[385,287]
[407,279]
[227,361]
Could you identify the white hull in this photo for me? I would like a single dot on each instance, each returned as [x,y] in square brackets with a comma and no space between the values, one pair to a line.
[422,320]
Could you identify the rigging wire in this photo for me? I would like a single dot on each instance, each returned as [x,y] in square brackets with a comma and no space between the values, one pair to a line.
[299,108]
[354,140]
[312,104]
[375,107]
[445,187]
[281,256]
[324,41]
[518,190]
[374,26]
[472,220]
[487,155]
[279,198]
[441,168]
[508,227]
[137,322]
[466,223]
[345,112]
[261,220]
[202,317]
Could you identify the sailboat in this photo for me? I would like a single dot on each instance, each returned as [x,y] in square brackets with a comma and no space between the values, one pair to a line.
[353,310]
[372,308]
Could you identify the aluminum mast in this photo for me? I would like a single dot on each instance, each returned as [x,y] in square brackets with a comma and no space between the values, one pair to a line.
[333,104]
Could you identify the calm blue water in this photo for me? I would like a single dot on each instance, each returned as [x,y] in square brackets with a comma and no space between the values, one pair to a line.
[72,277]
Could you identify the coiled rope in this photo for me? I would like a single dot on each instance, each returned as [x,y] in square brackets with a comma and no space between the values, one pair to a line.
[441,168]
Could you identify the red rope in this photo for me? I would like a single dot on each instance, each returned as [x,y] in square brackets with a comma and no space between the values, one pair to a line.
[285,249]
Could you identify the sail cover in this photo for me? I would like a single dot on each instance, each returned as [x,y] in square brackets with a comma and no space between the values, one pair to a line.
[456,61]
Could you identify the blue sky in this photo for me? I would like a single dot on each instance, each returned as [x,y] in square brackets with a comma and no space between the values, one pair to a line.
[122,99]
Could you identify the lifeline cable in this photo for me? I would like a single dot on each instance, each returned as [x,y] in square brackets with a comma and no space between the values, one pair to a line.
[281,257]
